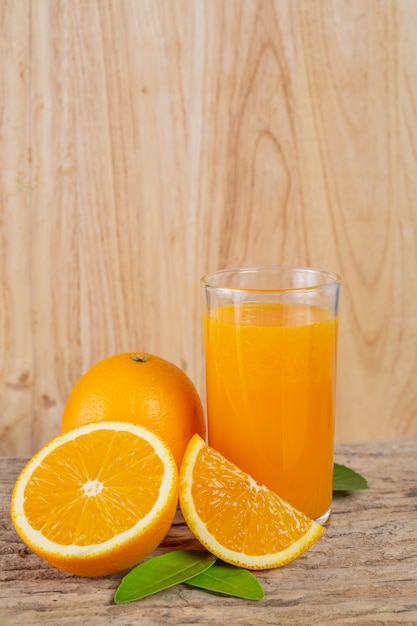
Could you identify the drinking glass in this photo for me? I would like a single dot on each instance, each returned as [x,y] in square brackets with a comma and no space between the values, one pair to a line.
[270,338]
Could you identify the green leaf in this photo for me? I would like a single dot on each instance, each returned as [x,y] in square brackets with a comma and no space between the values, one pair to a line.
[345,479]
[162,572]
[228,580]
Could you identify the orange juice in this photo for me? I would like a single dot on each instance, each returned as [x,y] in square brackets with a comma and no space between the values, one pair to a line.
[270,372]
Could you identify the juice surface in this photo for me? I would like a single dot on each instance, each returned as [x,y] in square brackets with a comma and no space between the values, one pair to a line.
[270,372]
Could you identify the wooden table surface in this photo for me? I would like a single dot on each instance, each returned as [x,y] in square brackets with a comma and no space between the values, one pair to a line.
[362,571]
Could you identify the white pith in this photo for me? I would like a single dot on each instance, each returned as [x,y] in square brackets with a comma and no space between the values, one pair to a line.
[92,487]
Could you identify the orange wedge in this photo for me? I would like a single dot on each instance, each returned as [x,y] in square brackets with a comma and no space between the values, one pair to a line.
[235,518]
[98,499]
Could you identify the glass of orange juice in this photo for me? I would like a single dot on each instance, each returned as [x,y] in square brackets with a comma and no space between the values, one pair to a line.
[271,346]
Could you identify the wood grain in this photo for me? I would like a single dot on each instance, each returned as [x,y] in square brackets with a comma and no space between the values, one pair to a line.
[16,332]
[357,88]
[145,143]
[362,571]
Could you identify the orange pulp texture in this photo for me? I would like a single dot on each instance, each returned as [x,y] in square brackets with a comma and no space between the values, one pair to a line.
[237,519]
[98,499]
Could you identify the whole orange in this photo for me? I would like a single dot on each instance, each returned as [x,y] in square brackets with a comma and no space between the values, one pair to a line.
[141,389]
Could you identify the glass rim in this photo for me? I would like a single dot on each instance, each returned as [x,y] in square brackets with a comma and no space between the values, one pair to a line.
[333,278]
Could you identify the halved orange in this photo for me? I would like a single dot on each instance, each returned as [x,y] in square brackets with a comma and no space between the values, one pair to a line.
[97,499]
[235,518]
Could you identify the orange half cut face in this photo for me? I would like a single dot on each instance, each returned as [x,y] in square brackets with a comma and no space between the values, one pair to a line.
[97,499]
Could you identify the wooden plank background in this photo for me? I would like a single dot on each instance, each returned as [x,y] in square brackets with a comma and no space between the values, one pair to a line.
[147,142]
